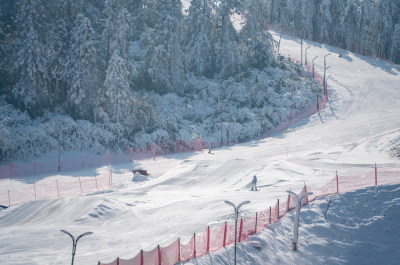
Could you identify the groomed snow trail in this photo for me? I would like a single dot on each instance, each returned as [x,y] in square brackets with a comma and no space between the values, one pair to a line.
[186,191]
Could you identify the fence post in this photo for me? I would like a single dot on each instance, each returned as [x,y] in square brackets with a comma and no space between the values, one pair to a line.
[34,188]
[270,212]
[255,227]
[226,226]
[110,178]
[95,178]
[337,183]
[277,209]
[208,239]
[141,257]
[80,184]
[194,245]
[9,199]
[117,260]
[159,255]
[58,190]
[240,229]
[376,175]
[305,190]
[288,203]
[179,249]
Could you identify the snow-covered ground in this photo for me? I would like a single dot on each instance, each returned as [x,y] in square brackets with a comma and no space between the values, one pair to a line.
[185,193]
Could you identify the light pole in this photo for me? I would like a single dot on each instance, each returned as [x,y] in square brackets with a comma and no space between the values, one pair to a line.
[301,55]
[297,217]
[74,243]
[59,149]
[325,68]
[279,43]
[236,212]
[305,56]
[313,66]
[326,85]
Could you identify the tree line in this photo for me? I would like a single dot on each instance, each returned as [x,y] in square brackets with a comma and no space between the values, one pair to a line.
[96,59]
[368,27]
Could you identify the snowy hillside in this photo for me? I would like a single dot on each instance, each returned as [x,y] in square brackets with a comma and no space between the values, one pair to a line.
[360,228]
[110,77]
[185,192]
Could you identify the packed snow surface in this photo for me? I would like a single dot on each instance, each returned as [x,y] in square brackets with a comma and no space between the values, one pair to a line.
[185,192]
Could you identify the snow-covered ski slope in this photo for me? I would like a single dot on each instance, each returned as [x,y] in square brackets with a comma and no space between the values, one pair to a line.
[186,191]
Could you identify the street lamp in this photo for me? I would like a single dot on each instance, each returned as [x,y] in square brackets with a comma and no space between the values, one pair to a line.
[297,217]
[236,212]
[305,56]
[325,68]
[74,243]
[313,66]
[326,84]
[279,43]
[59,149]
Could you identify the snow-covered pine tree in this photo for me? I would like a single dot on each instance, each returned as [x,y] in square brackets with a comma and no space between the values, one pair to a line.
[118,98]
[118,101]
[164,56]
[228,57]
[368,28]
[30,58]
[198,39]
[60,14]
[325,20]
[350,25]
[385,27]
[109,16]
[255,35]
[308,15]
[83,94]
[395,52]
[2,47]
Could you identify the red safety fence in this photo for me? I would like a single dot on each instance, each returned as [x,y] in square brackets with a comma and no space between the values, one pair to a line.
[21,170]
[214,239]
[56,189]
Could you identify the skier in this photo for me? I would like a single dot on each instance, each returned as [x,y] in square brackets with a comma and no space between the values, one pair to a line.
[254,183]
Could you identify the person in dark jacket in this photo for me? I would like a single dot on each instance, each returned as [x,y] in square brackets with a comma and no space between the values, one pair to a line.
[254,183]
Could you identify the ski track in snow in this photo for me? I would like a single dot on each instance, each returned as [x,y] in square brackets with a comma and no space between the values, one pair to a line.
[186,191]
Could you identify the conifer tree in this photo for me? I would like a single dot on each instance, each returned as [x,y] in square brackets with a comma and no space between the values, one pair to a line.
[83,94]
[228,57]
[255,35]
[198,40]
[30,58]
[118,98]
[164,56]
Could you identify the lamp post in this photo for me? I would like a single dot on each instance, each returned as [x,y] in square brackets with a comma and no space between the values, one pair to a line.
[305,56]
[236,212]
[297,217]
[313,66]
[59,149]
[74,243]
[279,43]
[325,68]
[326,84]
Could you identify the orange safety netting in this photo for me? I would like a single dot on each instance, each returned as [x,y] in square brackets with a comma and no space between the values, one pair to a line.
[211,240]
